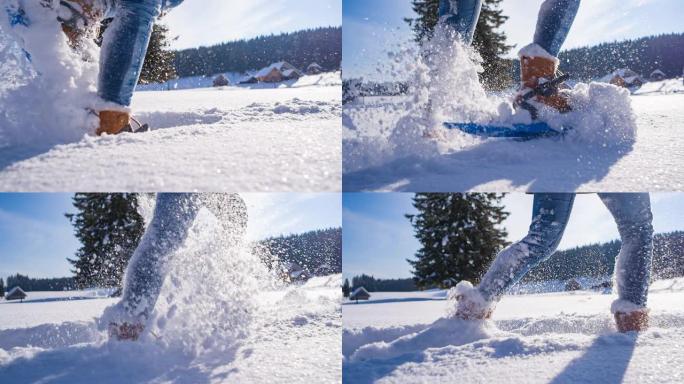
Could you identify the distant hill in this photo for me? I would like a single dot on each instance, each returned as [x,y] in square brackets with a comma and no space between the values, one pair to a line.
[320,45]
[28,284]
[599,260]
[317,252]
[373,284]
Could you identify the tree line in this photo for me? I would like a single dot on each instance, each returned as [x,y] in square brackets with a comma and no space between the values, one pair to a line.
[30,284]
[643,55]
[373,284]
[320,45]
[598,260]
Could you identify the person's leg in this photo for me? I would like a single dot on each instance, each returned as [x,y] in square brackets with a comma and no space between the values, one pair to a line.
[632,213]
[550,216]
[147,269]
[121,59]
[123,53]
[462,15]
[553,24]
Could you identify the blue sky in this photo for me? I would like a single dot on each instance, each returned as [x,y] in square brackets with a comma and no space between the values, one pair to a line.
[371,28]
[36,238]
[377,238]
[208,22]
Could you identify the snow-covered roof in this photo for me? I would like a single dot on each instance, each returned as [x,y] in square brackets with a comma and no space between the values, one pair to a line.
[16,292]
[657,72]
[282,66]
[360,291]
[625,72]
[314,65]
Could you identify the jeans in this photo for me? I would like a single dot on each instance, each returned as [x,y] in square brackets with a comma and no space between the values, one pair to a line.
[553,23]
[124,46]
[551,212]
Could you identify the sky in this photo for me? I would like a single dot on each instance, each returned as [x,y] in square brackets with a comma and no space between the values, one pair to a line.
[377,238]
[370,27]
[208,22]
[36,238]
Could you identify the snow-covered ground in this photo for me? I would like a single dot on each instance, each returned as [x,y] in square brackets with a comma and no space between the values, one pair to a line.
[536,338]
[275,137]
[228,139]
[52,338]
[546,165]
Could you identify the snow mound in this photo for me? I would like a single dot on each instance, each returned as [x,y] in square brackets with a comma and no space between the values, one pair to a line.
[443,332]
[55,73]
[208,298]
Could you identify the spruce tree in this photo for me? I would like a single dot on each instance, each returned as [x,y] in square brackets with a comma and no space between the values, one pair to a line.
[2,288]
[159,65]
[459,236]
[489,41]
[346,288]
[109,229]
[159,61]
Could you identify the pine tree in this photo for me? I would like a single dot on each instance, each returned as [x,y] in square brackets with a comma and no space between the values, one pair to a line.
[488,40]
[159,61]
[2,288]
[459,234]
[109,229]
[159,65]
[346,288]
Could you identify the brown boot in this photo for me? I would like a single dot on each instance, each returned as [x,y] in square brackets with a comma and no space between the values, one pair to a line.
[537,69]
[125,331]
[469,310]
[634,321]
[112,122]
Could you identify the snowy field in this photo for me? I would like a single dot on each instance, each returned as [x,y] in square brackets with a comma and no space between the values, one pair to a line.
[228,139]
[537,338]
[52,338]
[457,162]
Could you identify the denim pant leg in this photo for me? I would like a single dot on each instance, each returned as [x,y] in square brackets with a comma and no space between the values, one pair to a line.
[173,217]
[554,22]
[632,213]
[550,216]
[462,15]
[124,47]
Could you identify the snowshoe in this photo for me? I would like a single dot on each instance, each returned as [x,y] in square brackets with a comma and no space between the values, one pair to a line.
[534,130]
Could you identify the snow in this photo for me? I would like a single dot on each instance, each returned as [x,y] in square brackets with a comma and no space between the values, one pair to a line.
[461,163]
[284,137]
[201,139]
[536,50]
[323,79]
[535,338]
[52,337]
[663,87]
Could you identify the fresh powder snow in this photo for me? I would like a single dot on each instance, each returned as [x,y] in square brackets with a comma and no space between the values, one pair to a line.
[562,337]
